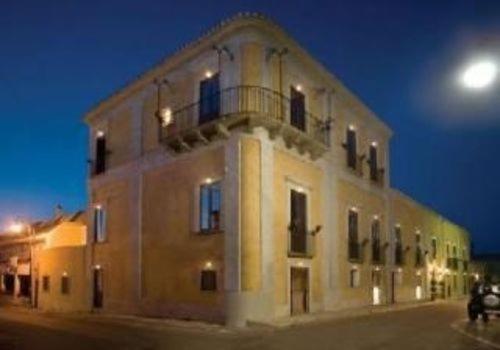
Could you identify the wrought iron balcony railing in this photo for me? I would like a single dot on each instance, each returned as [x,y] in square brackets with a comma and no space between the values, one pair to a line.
[452,263]
[377,176]
[300,242]
[398,255]
[250,106]
[419,257]
[354,251]
[378,256]
[465,265]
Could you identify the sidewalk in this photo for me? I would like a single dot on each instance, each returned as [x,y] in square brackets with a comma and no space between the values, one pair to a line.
[325,316]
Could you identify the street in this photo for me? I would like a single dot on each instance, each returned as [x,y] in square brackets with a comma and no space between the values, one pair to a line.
[439,326]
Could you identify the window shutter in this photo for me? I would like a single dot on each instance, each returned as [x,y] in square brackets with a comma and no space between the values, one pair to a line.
[195,209]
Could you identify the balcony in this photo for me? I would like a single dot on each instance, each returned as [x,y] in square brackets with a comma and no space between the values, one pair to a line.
[377,176]
[378,256]
[300,243]
[398,255]
[419,257]
[452,263]
[245,107]
[355,252]
[354,162]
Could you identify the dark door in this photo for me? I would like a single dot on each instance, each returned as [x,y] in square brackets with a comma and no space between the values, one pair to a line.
[24,285]
[100,155]
[35,299]
[98,289]
[8,282]
[209,99]
[297,109]
[299,286]
[393,287]
[298,215]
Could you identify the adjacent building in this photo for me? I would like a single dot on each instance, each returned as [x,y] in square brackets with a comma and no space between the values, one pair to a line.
[44,264]
[239,180]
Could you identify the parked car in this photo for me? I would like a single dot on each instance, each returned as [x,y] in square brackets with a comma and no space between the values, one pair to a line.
[484,301]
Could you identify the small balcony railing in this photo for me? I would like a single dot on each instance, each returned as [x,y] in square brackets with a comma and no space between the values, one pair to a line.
[419,257]
[398,255]
[452,263]
[354,162]
[244,106]
[300,243]
[378,256]
[377,176]
[355,251]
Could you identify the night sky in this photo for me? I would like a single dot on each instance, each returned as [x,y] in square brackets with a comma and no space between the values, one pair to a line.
[58,58]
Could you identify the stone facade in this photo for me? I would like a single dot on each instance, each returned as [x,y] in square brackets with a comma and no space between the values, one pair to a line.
[302,200]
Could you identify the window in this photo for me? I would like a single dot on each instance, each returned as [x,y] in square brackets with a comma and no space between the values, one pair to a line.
[398,246]
[354,278]
[373,163]
[434,248]
[352,234]
[418,250]
[298,222]
[376,254]
[209,99]
[297,109]
[99,224]
[65,284]
[208,280]
[351,148]
[210,207]
[45,283]
[100,154]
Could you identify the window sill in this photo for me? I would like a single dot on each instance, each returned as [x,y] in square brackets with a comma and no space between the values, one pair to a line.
[208,232]
[100,242]
[300,255]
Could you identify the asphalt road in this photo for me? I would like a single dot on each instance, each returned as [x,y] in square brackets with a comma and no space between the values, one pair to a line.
[440,326]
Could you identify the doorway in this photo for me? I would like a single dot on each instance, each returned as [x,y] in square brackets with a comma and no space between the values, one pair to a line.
[299,287]
[393,287]
[98,289]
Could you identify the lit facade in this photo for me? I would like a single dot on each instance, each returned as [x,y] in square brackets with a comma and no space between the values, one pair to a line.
[44,265]
[240,180]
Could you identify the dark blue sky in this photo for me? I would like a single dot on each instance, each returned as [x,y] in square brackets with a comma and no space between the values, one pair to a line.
[58,58]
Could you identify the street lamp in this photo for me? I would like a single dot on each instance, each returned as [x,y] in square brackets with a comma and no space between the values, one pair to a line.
[479,75]
[18,228]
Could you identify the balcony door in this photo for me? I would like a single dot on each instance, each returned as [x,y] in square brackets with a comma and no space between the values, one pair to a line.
[98,291]
[209,99]
[100,155]
[299,290]
[298,222]
[373,163]
[297,109]
[351,145]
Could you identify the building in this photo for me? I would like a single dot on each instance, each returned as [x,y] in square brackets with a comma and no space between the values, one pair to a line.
[488,265]
[49,255]
[240,180]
